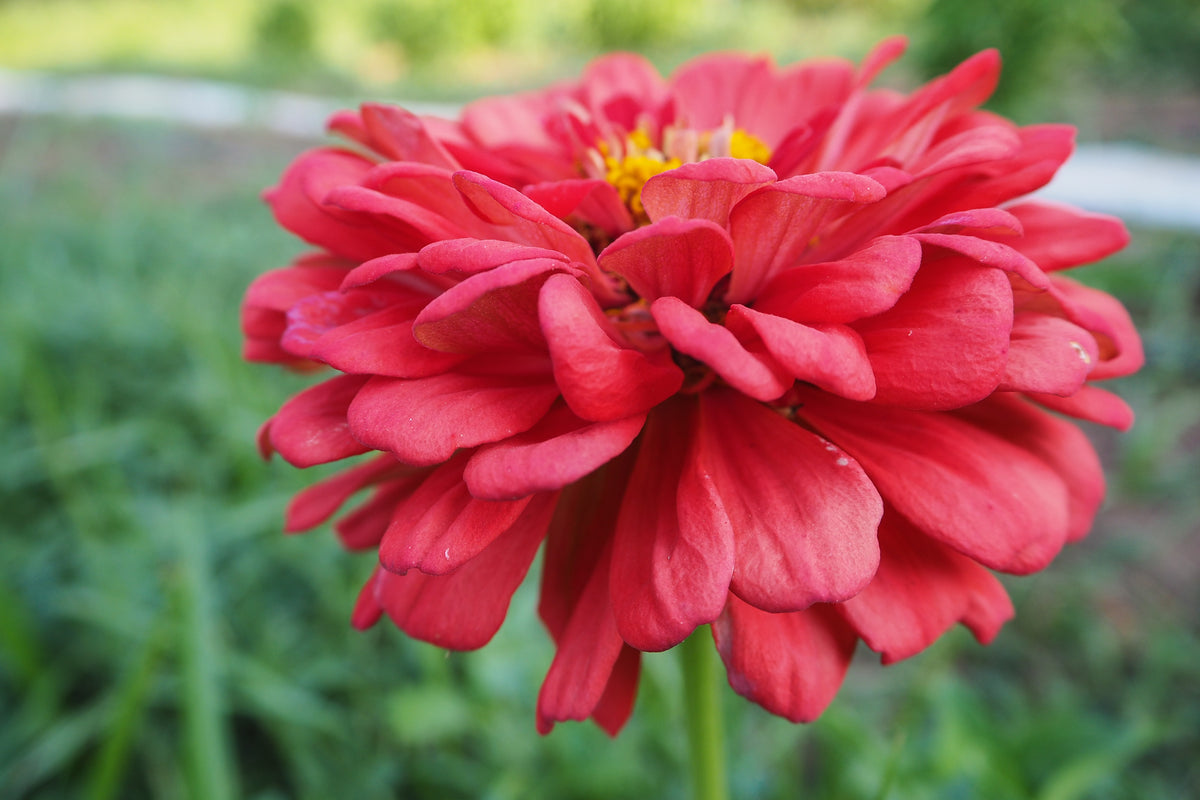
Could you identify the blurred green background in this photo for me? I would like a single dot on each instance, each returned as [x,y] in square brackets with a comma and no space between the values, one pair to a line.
[160,637]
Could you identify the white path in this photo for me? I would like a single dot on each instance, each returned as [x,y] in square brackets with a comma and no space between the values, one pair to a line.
[1143,186]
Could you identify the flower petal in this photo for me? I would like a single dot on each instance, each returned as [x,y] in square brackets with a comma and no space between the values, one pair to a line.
[464,609]
[319,502]
[790,664]
[423,421]
[703,189]
[773,227]
[921,589]
[945,343]
[588,650]
[490,311]
[1092,404]
[440,525]
[1048,354]
[560,449]
[672,258]
[966,486]
[1058,237]
[690,333]
[600,378]
[829,356]
[673,551]
[1059,443]
[864,283]
[803,514]
[311,428]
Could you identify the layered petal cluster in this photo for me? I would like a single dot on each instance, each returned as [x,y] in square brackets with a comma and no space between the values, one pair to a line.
[761,349]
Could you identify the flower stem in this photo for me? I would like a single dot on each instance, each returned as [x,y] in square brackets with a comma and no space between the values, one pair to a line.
[702,706]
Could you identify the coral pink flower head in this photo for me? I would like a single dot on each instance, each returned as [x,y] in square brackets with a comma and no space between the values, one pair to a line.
[762,349]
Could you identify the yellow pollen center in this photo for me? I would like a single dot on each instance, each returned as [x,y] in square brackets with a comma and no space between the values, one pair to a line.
[630,174]
[639,159]
[747,145]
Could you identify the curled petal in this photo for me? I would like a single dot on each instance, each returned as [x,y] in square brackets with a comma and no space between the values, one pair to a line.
[672,258]
[865,283]
[559,450]
[300,204]
[440,526]
[704,189]
[490,311]
[600,378]
[691,333]
[423,421]
[773,227]
[382,344]
[829,356]
[464,609]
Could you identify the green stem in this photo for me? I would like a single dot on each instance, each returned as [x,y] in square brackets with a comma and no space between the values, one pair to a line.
[702,706]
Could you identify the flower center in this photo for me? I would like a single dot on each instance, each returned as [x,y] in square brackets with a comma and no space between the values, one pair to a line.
[629,162]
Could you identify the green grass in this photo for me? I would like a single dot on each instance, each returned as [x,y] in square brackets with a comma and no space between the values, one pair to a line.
[160,637]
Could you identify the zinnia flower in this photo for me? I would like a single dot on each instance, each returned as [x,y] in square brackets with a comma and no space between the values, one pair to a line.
[756,348]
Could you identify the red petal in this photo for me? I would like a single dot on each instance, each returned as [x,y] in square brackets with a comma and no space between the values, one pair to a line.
[672,258]
[591,199]
[561,449]
[773,227]
[864,283]
[1057,237]
[1048,354]
[964,485]
[299,204]
[463,610]
[922,589]
[616,704]
[490,311]
[790,664]
[1104,316]
[440,526]
[690,332]
[804,515]
[1057,442]
[382,344]
[521,219]
[703,189]
[945,343]
[588,650]
[989,253]
[463,257]
[601,379]
[423,421]
[829,356]
[363,528]
[311,428]
[1092,404]
[318,502]
[673,546]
